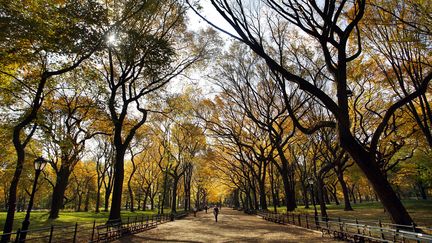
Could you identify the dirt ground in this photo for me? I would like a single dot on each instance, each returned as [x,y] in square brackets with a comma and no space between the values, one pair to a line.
[232,226]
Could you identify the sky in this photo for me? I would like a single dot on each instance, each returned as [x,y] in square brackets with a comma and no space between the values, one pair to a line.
[196,23]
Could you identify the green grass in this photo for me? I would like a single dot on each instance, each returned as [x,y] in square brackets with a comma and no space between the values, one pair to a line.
[39,219]
[420,211]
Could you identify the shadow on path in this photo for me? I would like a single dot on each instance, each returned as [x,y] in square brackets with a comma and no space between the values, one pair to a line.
[232,226]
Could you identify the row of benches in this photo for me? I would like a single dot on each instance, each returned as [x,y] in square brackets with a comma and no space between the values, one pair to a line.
[354,232]
[116,229]
[366,233]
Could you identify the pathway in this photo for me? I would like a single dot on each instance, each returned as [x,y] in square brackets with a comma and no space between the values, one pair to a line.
[232,226]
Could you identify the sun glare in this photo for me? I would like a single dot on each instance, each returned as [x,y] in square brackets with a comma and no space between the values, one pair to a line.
[111,40]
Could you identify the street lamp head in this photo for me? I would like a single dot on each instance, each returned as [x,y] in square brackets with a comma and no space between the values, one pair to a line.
[310,181]
[40,163]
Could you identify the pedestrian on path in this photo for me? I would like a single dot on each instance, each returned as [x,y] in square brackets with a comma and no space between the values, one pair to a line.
[206,207]
[216,212]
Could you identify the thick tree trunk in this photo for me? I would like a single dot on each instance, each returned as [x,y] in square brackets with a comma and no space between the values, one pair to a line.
[289,192]
[236,198]
[118,183]
[320,191]
[345,192]
[262,195]
[107,196]
[59,191]
[242,201]
[13,194]
[174,195]
[382,187]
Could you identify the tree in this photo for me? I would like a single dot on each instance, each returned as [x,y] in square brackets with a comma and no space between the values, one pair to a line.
[145,55]
[335,27]
[32,53]
[68,121]
[396,40]
[102,157]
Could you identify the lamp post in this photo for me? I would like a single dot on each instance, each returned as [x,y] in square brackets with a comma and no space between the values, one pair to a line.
[311,182]
[39,165]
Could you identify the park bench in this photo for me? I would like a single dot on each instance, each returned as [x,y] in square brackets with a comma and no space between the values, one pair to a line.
[181,215]
[279,218]
[109,231]
[412,236]
[360,238]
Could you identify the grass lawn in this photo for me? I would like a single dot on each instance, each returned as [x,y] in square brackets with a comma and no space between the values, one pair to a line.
[39,219]
[420,211]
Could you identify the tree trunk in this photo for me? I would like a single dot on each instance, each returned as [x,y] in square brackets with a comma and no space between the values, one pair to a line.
[13,193]
[118,183]
[98,193]
[78,207]
[187,195]
[320,189]
[236,198]
[289,192]
[87,201]
[139,201]
[422,190]
[131,196]
[305,195]
[145,201]
[345,192]
[352,193]
[334,194]
[262,195]
[59,191]
[326,197]
[174,195]
[382,187]
[254,202]
[107,196]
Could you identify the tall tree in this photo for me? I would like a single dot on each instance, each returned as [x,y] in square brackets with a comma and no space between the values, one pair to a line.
[68,122]
[143,54]
[334,25]
[33,51]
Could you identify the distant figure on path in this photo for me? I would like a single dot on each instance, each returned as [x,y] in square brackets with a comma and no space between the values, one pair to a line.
[216,212]
[195,211]
[206,207]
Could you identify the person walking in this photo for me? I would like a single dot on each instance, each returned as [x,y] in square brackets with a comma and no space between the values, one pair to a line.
[216,212]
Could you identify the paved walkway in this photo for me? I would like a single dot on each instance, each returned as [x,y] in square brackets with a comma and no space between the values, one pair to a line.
[232,226]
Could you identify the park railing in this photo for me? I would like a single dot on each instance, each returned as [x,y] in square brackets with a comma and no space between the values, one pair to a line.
[352,229]
[93,232]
